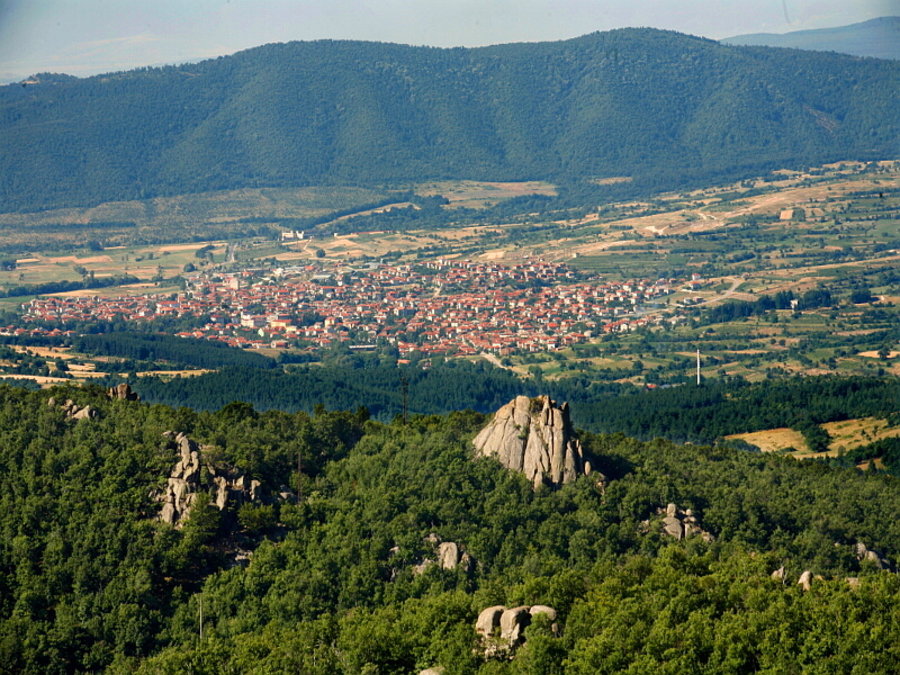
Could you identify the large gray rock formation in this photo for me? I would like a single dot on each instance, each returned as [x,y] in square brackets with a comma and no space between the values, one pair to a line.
[122,392]
[184,484]
[489,620]
[682,523]
[502,629]
[449,555]
[534,437]
[863,552]
[72,410]
[513,623]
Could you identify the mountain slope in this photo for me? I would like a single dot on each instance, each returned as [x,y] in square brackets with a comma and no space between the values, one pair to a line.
[338,581]
[655,105]
[879,38]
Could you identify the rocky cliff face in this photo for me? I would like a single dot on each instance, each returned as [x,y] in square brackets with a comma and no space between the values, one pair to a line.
[184,482]
[534,437]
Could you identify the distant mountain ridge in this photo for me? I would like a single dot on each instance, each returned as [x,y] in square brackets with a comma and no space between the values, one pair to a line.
[655,105]
[878,38]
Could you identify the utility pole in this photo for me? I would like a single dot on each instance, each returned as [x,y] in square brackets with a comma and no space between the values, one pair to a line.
[698,367]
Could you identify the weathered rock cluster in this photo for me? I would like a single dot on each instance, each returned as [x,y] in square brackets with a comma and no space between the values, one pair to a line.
[122,392]
[682,523]
[448,554]
[72,410]
[184,482]
[805,581]
[502,629]
[863,553]
[534,437]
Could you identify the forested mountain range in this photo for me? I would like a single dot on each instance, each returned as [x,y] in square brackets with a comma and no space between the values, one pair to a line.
[660,107]
[878,38]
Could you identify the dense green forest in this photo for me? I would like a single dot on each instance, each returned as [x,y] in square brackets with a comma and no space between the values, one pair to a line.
[664,108]
[681,413]
[91,580]
[189,352]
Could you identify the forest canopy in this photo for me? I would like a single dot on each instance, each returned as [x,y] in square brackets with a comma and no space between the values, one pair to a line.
[92,580]
[662,108]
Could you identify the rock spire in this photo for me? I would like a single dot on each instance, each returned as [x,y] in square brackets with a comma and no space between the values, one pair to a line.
[534,437]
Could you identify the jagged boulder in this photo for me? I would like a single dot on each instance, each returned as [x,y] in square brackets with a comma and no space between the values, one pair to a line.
[672,527]
[863,552]
[513,623]
[682,523]
[502,629]
[448,555]
[805,581]
[489,621]
[72,410]
[85,413]
[122,392]
[534,437]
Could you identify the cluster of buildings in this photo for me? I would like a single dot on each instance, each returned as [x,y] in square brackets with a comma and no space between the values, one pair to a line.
[449,307]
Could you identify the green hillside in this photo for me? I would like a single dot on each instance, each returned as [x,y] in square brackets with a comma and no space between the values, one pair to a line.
[661,107]
[91,580]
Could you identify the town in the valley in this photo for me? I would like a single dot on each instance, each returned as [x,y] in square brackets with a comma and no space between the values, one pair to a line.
[447,307]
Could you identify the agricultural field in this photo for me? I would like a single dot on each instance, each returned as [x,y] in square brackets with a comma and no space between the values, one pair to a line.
[147,263]
[481,194]
[193,217]
[773,440]
[833,228]
[844,435]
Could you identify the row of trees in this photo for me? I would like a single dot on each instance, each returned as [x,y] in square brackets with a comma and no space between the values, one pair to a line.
[682,413]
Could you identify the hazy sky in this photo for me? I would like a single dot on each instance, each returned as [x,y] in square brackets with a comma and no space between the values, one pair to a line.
[84,37]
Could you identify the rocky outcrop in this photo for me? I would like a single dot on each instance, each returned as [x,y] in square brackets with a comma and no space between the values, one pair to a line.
[513,623]
[502,629]
[681,524]
[489,621]
[184,483]
[805,581]
[534,437]
[449,556]
[72,410]
[864,553]
[122,392]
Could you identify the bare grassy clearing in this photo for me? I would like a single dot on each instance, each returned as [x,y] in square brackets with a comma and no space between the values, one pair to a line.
[45,352]
[172,373]
[774,440]
[480,194]
[850,434]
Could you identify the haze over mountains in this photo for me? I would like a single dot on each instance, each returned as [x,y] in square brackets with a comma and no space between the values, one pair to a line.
[879,38]
[657,106]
